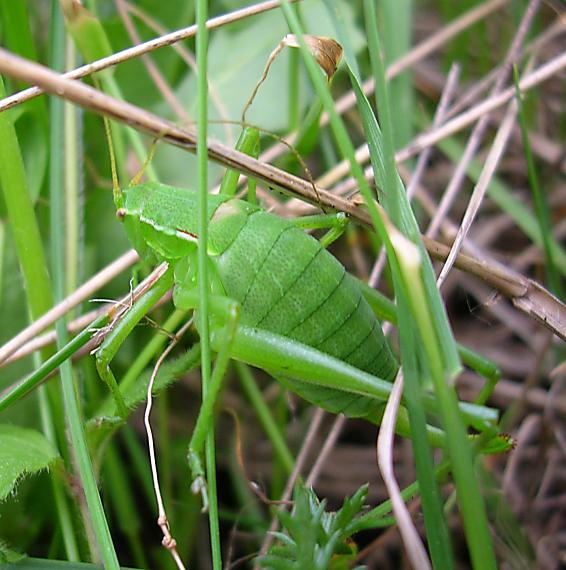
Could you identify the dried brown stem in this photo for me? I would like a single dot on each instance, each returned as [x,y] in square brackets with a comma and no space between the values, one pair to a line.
[525,293]
[146,47]
[82,293]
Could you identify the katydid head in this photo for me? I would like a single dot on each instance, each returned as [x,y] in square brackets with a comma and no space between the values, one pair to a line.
[162,221]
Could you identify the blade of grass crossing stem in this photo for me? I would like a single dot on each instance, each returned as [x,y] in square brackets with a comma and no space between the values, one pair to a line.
[93,43]
[395,196]
[438,536]
[436,528]
[21,389]
[57,224]
[31,257]
[382,153]
[203,288]
[429,314]
[501,194]
[539,198]
[395,16]
[338,128]
[469,497]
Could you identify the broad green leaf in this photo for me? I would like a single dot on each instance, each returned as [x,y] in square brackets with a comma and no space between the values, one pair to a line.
[22,451]
[45,564]
[235,66]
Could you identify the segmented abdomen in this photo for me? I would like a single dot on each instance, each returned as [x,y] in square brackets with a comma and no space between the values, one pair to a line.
[287,283]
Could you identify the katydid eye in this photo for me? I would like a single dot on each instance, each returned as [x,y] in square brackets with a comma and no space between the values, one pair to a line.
[121,213]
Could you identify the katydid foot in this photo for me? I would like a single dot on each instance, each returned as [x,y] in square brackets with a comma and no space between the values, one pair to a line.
[198,484]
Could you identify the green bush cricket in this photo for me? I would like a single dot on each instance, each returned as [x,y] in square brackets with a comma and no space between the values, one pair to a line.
[279,301]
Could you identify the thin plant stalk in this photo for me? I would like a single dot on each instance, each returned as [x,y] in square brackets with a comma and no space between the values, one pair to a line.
[36,280]
[542,209]
[203,280]
[73,412]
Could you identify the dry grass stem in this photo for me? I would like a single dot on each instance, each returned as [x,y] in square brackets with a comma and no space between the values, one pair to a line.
[310,439]
[478,132]
[168,541]
[414,547]
[531,295]
[146,47]
[84,292]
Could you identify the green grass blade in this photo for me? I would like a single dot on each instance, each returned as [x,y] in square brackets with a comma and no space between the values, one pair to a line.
[396,27]
[469,496]
[203,280]
[247,143]
[57,223]
[21,389]
[27,238]
[265,416]
[438,536]
[36,280]
[542,208]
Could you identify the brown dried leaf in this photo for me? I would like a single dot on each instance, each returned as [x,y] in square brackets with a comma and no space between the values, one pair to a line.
[326,51]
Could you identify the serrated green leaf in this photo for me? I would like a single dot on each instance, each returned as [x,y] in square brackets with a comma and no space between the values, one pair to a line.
[7,555]
[315,539]
[22,451]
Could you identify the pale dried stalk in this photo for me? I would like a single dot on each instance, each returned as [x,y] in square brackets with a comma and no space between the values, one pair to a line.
[525,293]
[458,123]
[475,91]
[82,293]
[488,170]
[329,444]
[146,47]
[189,59]
[479,130]
[150,66]
[495,154]
[168,541]
[414,547]
[74,326]
[538,76]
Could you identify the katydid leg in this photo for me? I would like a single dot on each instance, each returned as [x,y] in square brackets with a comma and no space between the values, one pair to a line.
[286,358]
[222,337]
[335,223]
[118,335]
